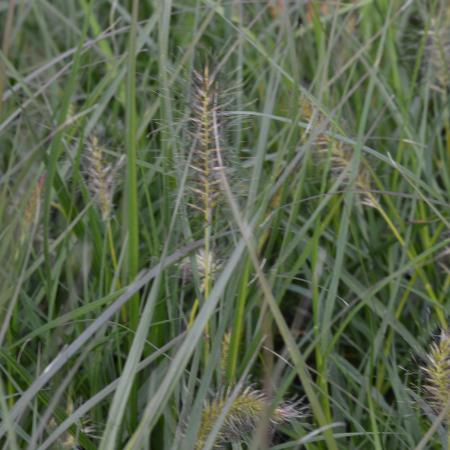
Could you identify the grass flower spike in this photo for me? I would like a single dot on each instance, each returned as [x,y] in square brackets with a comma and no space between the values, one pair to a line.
[204,261]
[242,417]
[204,180]
[204,165]
[102,177]
[31,212]
[437,373]
[438,49]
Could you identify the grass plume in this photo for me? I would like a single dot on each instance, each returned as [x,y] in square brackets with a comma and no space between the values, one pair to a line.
[242,417]
[204,180]
[102,177]
[437,372]
[438,48]
[204,165]
[31,213]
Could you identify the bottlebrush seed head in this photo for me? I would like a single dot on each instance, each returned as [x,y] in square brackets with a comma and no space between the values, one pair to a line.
[242,417]
[206,262]
[102,177]
[437,58]
[204,178]
[437,374]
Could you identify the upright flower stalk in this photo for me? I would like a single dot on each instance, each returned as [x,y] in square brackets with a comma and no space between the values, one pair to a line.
[102,181]
[204,180]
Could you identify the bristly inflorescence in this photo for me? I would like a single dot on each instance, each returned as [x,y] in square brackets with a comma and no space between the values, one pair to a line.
[242,417]
[204,165]
[437,373]
[438,48]
[206,263]
[31,212]
[102,177]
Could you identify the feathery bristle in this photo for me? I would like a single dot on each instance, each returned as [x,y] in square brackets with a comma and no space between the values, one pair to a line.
[438,49]
[207,263]
[102,177]
[242,417]
[437,372]
[205,166]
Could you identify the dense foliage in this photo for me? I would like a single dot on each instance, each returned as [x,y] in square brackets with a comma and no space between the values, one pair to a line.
[224,224]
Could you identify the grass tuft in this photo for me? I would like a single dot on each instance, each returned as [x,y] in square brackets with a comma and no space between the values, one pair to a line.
[298,181]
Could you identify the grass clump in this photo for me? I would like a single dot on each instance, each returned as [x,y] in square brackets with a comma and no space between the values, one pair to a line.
[253,183]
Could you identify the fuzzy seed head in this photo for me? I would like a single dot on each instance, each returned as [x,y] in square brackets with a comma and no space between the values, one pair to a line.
[206,262]
[102,177]
[205,166]
[242,417]
[438,49]
[437,373]
[33,206]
